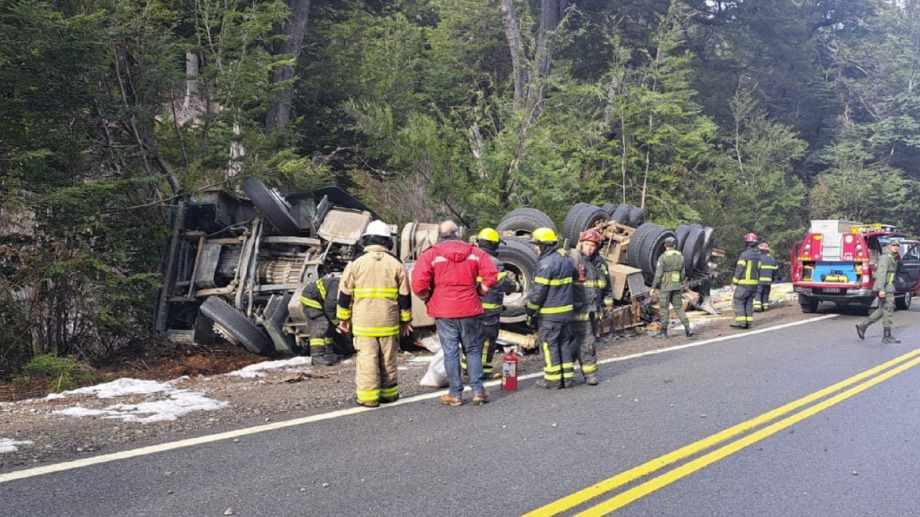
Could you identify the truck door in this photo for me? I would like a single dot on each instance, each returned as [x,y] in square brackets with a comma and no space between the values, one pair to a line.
[907,277]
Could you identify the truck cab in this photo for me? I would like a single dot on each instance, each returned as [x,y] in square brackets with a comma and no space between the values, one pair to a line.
[837,260]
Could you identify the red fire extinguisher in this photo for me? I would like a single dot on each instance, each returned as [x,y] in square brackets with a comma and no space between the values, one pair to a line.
[509,371]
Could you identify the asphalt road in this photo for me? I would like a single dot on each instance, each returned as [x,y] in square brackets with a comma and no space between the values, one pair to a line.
[796,420]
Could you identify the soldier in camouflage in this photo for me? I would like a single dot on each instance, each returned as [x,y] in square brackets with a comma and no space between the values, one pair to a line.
[669,276]
[884,285]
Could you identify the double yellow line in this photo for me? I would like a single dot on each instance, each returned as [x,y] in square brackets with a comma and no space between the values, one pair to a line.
[840,391]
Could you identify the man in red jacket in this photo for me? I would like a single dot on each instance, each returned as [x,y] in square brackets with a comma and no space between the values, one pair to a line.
[445,278]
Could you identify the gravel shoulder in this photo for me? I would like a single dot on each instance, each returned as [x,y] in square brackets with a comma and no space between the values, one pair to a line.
[35,432]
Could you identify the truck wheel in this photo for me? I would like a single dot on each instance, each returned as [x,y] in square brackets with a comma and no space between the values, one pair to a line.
[681,231]
[272,206]
[621,214]
[709,244]
[587,218]
[634,250]
[520,259]
[652,248]
[525,220]
[570,218]
[808,304]
[609,208]
[636,217]
[903,302]
[694,244]
[235,326]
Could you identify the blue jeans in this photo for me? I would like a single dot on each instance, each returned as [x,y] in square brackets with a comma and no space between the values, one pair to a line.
[452,332]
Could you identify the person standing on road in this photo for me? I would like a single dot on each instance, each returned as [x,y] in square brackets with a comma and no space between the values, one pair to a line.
[375,306]
[449,277]
[550,309]
[767,275]
[320,299]
[747,276]
[884,286]
[592,298]
[488,240]
[668,284]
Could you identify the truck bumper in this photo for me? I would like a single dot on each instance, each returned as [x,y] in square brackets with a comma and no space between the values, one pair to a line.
[838,295]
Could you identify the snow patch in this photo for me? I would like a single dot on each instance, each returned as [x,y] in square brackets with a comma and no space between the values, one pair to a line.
[255,370]
[180,402]
[10,445]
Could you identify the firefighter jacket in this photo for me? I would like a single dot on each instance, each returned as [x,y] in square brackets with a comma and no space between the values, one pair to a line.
[591,289]
[768,268]
[445,278]
[747,272]
[322,295]
[885,271]
[669,273]
[552,296]
[374,294]
[492,300]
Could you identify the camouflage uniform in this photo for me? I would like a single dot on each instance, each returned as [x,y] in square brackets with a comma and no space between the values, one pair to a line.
[884,282]
[669,275]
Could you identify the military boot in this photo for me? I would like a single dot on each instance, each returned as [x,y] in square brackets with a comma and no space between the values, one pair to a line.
[888,340]
[662,334]
[861,329]
[687,331]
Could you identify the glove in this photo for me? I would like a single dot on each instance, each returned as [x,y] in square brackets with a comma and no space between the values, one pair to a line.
[531,319]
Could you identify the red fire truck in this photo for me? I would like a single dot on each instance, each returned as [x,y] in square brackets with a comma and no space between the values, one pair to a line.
[836,262]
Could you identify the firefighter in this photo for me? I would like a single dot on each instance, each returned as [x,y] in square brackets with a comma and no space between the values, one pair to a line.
[320,299]
[884,285]
[550,307]
[489,240]
[767,275]
[746,279]
[669,277]
[593,297]
[375,307]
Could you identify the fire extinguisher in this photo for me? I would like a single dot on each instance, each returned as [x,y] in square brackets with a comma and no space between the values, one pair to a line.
[509,371]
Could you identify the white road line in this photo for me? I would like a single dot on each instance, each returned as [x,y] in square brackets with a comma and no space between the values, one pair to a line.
[153,449]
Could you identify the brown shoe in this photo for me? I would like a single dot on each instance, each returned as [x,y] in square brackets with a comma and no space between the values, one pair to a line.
[369,403]
[451,400]
[480,398]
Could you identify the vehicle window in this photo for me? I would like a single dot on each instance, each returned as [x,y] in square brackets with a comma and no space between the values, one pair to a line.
[912,252]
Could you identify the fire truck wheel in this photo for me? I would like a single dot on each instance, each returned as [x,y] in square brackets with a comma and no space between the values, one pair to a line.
[903,302]
[271,205]
[235,326]
[523,221]
[808,304]
[520,259]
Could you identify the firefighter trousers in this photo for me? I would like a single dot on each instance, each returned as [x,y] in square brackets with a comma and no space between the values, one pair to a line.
[743,304]
[584,346]
[762,297]
[556,348]
[667,299]
[489,344]
[375,368]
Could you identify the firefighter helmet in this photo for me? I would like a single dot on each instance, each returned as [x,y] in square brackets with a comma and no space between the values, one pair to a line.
[378,228]
[488,235]
[751,237]
[764,246]
[591,236]
[544,235]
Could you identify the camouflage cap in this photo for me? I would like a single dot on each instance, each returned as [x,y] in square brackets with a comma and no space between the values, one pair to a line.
[894,241]
[670,242]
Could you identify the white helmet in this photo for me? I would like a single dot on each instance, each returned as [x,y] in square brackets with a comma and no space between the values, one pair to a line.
[378,228]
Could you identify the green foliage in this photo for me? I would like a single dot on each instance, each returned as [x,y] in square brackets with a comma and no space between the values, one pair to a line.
[57,373]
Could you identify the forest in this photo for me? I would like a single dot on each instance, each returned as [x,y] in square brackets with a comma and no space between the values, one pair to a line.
[744,115]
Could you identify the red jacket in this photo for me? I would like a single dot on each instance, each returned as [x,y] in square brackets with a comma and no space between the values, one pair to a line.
[445,278]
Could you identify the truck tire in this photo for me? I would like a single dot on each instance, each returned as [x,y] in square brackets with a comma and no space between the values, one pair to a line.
[523,221]
[609,208]
[681,232]
[652,248]
[520,259]
[903,302]
[808,304]
[693,249]
[235,326]
[709,244]
[271,205]
[621,214]
[636,216]
[633,251]
[570,218]
[587,218]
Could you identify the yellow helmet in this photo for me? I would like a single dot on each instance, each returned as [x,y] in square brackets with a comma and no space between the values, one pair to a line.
[544,236]
[488,235]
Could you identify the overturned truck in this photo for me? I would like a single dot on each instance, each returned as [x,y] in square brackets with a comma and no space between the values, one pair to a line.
[236,264]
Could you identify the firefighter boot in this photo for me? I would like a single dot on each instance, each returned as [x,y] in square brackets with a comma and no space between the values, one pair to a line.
[888,340]
[861,329]
[662,334]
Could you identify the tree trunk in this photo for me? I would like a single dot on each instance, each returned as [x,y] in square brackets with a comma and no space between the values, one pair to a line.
[551,13]
[279,114]
[516,46]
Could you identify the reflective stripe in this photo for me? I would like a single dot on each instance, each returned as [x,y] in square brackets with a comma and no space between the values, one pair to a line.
[342,314]
[322,288]
[368,396]
[595,284]
[589,368]
[389,393]
[583,317]
[317,341]
[557,310]
[376,292]
[405,316]
[546,281]
[491,306]
[376,331]
[442,258]
[311,303]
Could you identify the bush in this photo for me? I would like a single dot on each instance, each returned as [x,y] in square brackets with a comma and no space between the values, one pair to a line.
[54,374]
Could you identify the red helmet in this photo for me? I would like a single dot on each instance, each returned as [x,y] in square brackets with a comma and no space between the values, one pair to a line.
[765,246]
[591,236]
[751,237]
